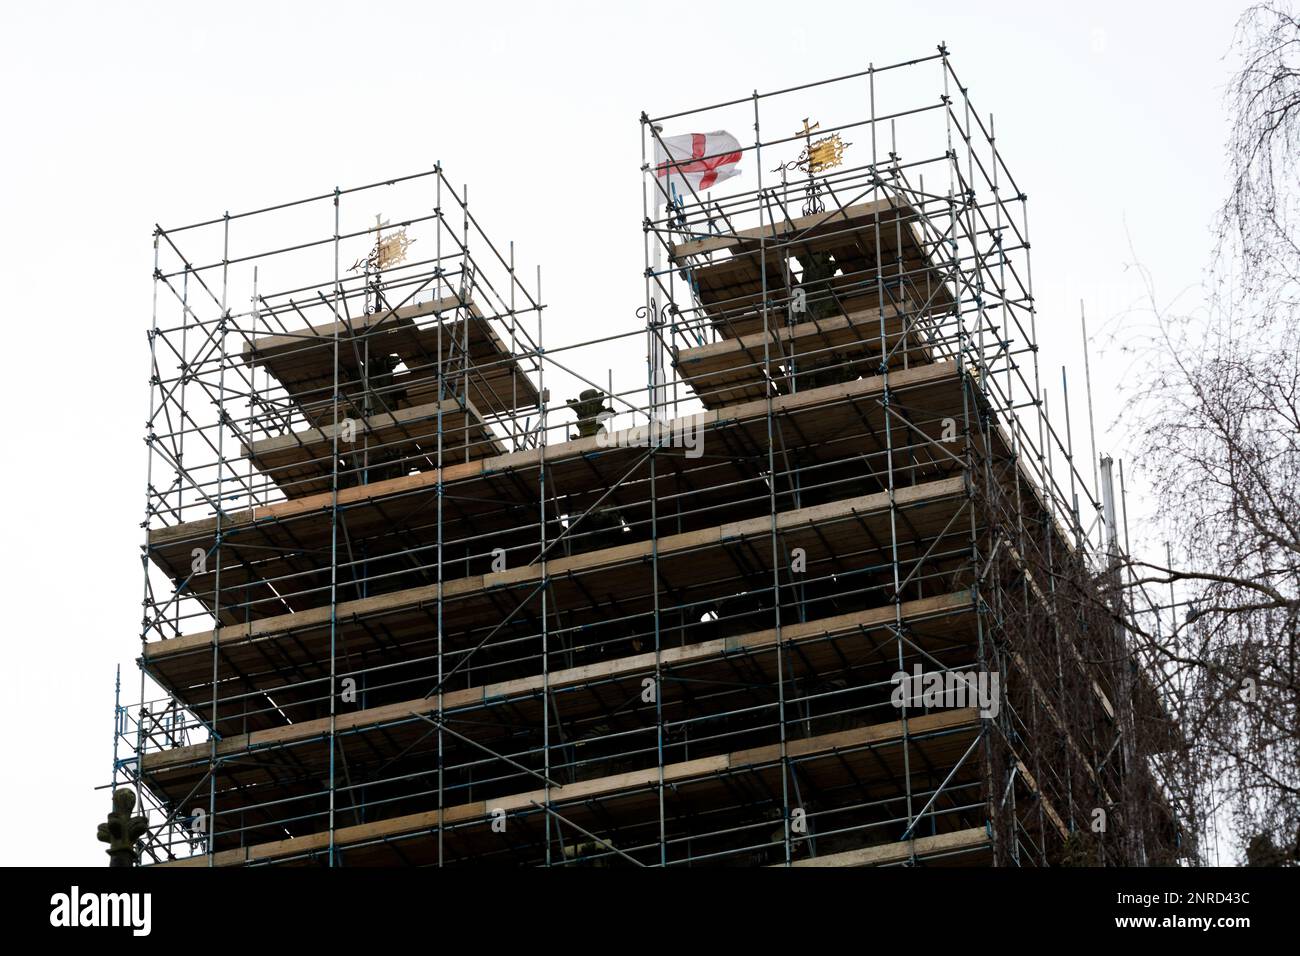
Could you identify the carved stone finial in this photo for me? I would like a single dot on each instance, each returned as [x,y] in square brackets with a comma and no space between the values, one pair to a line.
[122,830]
[589,407]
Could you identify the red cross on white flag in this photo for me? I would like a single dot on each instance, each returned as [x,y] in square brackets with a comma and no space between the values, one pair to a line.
[701,160]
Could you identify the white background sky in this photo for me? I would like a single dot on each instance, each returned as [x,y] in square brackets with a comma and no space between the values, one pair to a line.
[114,117]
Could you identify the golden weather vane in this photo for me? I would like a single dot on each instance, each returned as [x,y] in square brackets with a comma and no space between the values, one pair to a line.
[388,250]
[826,153]
[818,155]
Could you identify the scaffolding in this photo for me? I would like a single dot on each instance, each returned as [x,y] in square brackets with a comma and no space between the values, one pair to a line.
[398,611]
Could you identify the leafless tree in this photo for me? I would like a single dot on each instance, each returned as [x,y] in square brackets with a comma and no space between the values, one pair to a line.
[1216,426]
[1258,238]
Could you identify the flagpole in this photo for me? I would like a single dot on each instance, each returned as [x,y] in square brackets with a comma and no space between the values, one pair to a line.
[658,385]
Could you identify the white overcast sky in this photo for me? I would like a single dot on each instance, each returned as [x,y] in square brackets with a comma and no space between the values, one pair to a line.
[117,116]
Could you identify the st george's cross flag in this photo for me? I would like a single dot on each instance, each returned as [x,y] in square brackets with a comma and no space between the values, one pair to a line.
[696,161]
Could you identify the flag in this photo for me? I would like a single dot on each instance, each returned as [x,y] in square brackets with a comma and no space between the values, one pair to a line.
[696,161]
